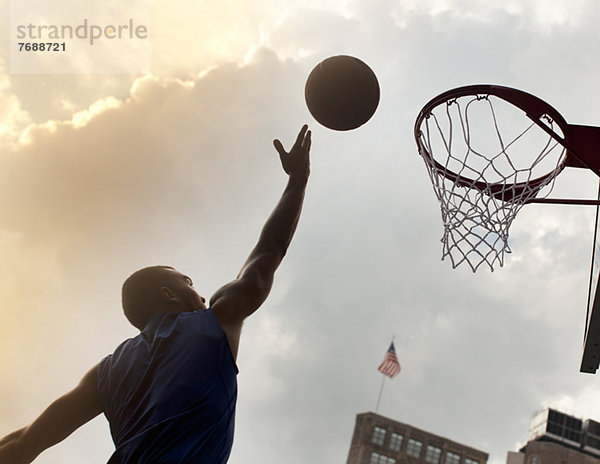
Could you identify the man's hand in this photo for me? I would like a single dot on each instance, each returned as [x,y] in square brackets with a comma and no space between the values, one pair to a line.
[296,163]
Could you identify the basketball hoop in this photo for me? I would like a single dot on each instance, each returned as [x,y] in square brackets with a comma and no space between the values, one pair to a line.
[489,150]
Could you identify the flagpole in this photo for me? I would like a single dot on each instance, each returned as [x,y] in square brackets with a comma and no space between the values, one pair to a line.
[383,375]
[380,393]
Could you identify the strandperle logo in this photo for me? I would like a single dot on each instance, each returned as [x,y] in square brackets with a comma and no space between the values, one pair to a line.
[84,31]
[90,37]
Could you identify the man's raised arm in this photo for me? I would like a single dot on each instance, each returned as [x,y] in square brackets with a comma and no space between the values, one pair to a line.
[238,299]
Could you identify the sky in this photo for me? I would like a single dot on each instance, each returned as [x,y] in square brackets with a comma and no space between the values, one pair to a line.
[105,173]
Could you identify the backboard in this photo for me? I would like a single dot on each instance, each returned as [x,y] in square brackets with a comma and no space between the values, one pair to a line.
[591,344]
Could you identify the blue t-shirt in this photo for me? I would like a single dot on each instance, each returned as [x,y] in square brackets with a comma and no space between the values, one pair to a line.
[169,394]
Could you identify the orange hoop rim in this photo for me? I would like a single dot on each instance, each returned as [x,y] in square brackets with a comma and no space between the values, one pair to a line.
[535,108]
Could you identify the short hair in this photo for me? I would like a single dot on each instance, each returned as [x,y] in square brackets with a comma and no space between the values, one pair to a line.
[140,294]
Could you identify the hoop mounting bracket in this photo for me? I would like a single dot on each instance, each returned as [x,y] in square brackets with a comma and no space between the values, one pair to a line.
[583,145]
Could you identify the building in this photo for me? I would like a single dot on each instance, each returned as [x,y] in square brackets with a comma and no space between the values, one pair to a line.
[379,440]
[559,438]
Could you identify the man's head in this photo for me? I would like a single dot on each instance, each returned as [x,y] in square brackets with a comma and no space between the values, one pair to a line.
[157,290]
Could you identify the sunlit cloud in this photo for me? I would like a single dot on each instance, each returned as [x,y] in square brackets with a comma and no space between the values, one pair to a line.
[12,116]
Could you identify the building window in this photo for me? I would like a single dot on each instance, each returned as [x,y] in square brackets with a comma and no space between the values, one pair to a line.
[534,460]
[433,454]
[471,461]
[377,458]
[413,448]
[396,441]
[378,435]
[452,458]
[554,429]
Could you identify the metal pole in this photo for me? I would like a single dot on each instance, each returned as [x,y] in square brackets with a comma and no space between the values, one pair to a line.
[564,201]
[380,392]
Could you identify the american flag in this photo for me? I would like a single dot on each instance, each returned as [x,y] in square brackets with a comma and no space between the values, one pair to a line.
[390,365]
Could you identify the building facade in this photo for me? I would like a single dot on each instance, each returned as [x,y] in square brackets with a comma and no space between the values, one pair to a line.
[559,438]
[380,440]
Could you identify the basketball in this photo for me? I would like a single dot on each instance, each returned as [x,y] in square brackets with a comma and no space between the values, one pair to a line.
[342,93]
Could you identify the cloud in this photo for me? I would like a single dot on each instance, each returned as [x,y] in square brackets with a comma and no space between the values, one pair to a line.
[12,116]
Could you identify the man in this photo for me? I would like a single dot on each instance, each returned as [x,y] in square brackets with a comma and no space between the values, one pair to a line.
[169,393]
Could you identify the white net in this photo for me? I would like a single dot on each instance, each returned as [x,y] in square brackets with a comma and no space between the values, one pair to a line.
[486,159]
